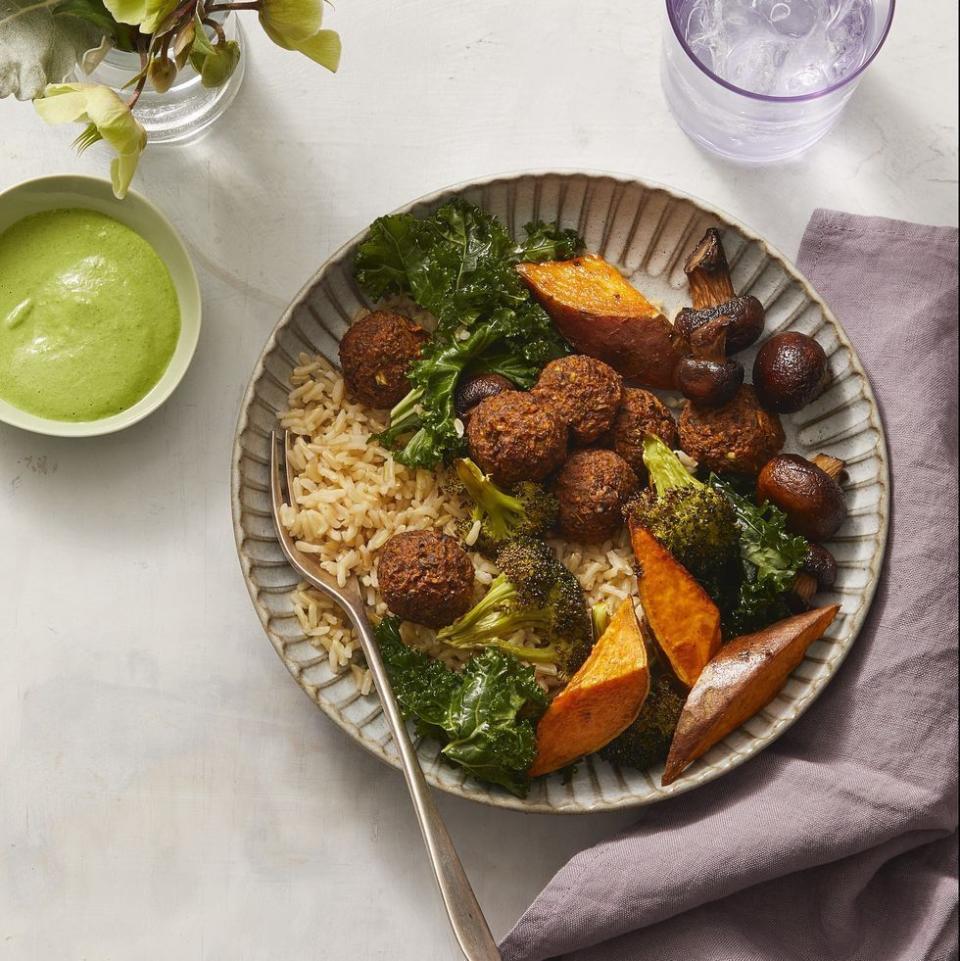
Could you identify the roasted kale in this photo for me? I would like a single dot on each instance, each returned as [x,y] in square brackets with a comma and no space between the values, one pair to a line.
[770,558]
[485,716]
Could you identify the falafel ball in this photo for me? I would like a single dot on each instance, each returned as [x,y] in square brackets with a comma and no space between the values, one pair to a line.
[592,487]
[426,577]
[737,438]
[514,437]
[584,393]
[375,355]
[641,413]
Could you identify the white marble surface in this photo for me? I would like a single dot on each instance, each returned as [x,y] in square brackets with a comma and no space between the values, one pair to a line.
[166,791]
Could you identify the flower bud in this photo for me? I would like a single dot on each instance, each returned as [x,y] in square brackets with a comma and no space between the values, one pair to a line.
[161,73]
[219,63]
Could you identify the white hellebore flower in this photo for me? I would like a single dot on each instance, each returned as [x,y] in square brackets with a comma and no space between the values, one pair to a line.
[295,25]
[107,118]
[145,14]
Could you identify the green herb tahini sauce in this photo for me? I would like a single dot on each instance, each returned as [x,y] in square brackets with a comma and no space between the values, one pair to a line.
[89,317]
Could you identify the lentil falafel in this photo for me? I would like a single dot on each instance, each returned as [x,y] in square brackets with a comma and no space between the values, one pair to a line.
[514,437]
[375,354]
[584,392]
[426,577]
[737,438]
[641,413]
[591,488]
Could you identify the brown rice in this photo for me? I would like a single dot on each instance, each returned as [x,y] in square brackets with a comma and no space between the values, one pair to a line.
[350,497]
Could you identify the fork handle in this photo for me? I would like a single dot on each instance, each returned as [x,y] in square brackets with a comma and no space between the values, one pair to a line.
[466,917]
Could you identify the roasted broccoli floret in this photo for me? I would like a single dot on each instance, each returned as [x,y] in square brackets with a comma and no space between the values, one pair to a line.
[695,522]
[527,511]
[647,741]
[600,615]
[534,590]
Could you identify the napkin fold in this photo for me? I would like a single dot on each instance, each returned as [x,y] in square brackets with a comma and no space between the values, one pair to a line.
[839,841]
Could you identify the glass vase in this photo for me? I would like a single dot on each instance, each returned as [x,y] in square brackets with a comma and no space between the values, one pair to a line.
[188,108]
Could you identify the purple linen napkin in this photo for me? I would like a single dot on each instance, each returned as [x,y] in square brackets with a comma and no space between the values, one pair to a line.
[838,842]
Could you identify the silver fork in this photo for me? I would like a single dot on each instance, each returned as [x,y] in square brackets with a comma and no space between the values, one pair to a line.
[466,917]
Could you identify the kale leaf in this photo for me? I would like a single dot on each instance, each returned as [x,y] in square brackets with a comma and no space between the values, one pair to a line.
[771,557]
[459,264]
[484,716]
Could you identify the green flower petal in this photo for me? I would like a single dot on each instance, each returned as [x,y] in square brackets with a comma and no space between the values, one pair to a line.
[218,65]
[127,11]
[156,12]
[289,22]
[61,103]
[106,115]
[122,169]
[323,48]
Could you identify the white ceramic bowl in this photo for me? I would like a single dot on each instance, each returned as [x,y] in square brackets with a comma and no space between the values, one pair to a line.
[137,213]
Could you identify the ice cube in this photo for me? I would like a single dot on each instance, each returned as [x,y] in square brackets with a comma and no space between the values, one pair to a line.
[791,18]
[755,63]
[849,23]
[806,79]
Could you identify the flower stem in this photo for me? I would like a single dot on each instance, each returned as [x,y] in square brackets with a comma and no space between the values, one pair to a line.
[217,29]
[240,5]
[142,82]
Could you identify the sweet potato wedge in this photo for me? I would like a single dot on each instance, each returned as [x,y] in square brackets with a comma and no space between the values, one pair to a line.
[684,620]
[745,676]
[602,699]
[601,314]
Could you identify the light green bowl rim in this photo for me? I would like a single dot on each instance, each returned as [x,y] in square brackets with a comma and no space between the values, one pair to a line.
[73,188]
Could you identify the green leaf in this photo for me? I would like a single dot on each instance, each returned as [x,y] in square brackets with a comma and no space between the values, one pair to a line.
[771,558]
[218,66]
[489,738]
[158,12]
[548,242]
[290,22]
[215,62]
[93,11]
[484,716]
[131,12]
[41,45]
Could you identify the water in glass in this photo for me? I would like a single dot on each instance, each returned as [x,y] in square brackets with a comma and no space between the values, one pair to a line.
[764,79]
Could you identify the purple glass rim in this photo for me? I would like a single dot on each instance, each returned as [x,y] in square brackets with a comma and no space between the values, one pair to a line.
[671,15]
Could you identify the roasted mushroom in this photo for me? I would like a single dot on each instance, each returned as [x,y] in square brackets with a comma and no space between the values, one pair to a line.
[477,387]
[821,565]
[708,377]
[817,573]
[789,372]
[713,296]
[809,495]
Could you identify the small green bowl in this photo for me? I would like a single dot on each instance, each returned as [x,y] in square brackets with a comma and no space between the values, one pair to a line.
[137,213]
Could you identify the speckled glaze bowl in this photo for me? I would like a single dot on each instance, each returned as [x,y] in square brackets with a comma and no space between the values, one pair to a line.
[646,230]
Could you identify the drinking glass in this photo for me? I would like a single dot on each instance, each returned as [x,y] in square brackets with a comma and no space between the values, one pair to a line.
[744,125]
